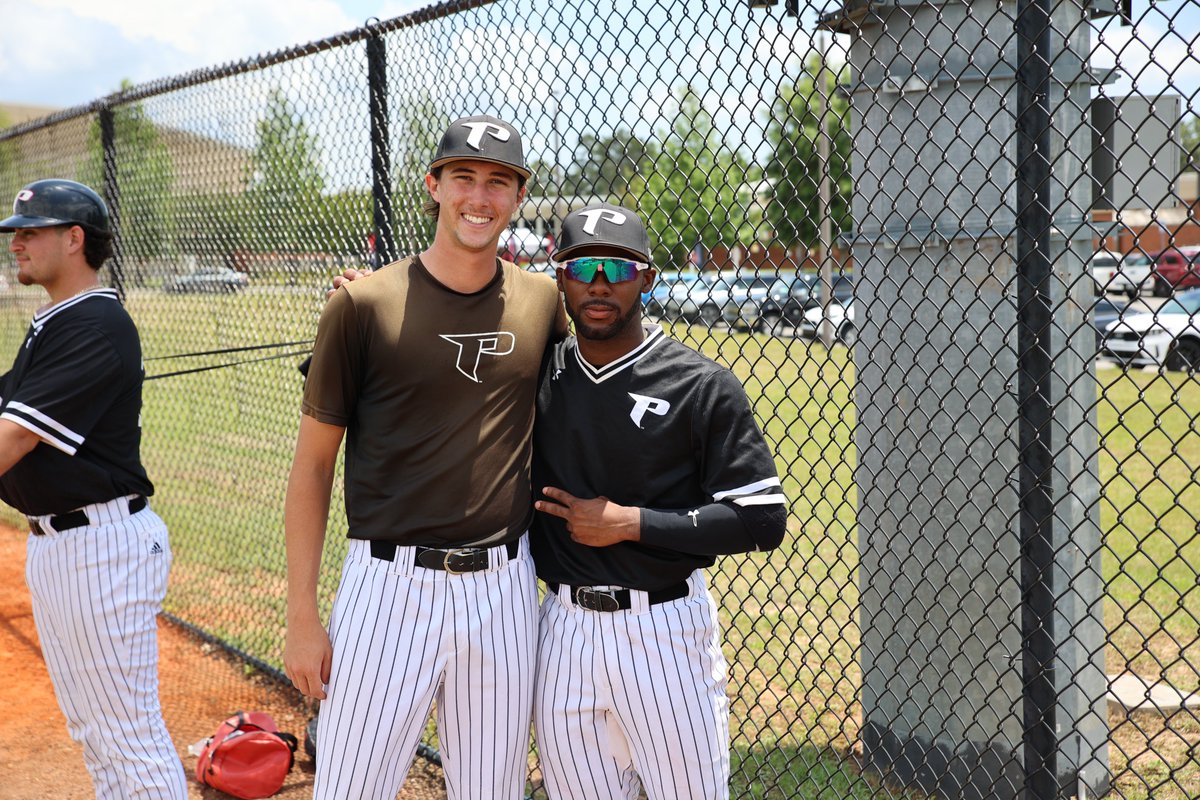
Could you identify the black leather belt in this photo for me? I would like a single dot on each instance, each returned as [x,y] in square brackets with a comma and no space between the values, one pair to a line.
[594,599]
[78,518]
[454,560]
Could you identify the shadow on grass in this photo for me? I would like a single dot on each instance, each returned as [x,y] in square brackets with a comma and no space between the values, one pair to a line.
[804,773]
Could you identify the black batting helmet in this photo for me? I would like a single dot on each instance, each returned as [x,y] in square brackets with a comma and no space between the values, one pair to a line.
[482,138]
[603,224]
[56,201]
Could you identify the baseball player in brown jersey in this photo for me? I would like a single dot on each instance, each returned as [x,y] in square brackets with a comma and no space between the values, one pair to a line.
[429,370]
[651,465]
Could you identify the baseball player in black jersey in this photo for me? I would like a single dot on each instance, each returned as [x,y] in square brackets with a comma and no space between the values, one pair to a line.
[97,556]
[651,464]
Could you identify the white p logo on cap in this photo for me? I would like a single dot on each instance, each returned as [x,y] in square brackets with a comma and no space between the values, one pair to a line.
[596,214]
[478,129]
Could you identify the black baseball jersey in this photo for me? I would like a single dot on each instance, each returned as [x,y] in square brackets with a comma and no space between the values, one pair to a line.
[662,427]
[77,384]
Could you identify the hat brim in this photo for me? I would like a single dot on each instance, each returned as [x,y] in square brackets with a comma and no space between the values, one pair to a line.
[566,254]
[441,162]
[18,221]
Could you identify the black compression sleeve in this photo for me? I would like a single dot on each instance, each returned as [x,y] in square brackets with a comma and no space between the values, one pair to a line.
[715,529]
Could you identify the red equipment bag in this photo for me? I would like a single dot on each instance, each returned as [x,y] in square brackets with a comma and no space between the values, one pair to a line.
[248,757]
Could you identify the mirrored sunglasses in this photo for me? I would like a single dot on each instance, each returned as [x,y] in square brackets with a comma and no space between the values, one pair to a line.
[616,270]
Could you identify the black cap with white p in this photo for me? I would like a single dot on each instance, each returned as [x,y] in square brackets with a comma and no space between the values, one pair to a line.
[603,225]
[482,138]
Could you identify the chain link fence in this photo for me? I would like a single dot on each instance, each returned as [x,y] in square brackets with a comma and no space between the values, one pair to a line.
[946,246]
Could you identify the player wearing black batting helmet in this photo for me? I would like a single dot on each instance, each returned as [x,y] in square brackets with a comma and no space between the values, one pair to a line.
[97,556]
[651,464]
[428,369]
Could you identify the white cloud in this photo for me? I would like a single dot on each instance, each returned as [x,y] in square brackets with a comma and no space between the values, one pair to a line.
[68,52]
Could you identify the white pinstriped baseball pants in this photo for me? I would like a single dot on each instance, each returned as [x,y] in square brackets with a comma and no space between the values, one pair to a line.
[97,592]
[626,699]
[404,636]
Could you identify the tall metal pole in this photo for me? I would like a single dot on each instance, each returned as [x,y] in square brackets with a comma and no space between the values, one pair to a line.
[1034,365]
[824,196]
[381,159]
[112,196]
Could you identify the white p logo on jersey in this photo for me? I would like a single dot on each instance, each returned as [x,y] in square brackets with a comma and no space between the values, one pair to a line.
[596,214]
[478,129]
[474,346]
[642,404]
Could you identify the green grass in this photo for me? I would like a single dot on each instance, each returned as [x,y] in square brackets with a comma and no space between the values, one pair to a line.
[218,445]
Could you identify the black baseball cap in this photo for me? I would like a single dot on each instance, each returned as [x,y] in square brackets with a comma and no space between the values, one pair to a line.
[603,224]
[482,138]
[56,201]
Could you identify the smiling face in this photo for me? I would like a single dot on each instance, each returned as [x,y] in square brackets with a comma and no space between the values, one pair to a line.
[477,200]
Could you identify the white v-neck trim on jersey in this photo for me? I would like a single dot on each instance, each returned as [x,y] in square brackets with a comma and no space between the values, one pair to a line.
[654,336]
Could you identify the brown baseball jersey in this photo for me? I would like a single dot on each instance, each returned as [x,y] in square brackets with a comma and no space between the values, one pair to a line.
[436,391]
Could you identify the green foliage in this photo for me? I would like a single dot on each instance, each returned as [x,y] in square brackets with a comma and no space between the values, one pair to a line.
[418,124]
[696,187]
[145,176]
[608,166]
[1189,139]
[286,181]
[10,181]
[794,169]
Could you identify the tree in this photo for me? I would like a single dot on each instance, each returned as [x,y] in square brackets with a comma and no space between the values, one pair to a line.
[10,182]
[794,170]
[419,123]
[608,166]
[145,180]
[1189,139]
[697,188]
[286,181]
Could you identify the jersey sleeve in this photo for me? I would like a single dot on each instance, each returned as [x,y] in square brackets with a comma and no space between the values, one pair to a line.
[335,372]
[75,377]
[748,510]
[737,464]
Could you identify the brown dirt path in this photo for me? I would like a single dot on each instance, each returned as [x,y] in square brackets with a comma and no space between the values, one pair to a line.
[199,687]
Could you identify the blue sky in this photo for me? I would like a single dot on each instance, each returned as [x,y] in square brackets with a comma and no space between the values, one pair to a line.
[69,52]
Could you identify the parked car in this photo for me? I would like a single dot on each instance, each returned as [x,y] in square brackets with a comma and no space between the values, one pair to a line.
[212,279]
[840,316]
[717,296]
[1102,314]
[1167,336]
[1175,268]
[659,300]
[1127,275]
[522,243]
[787,300]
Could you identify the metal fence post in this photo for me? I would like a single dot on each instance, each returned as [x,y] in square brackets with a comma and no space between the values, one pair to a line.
[112,196]
[1034,366]
[381,159]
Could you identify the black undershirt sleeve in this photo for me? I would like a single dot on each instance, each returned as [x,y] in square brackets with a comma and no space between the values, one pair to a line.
[715,529]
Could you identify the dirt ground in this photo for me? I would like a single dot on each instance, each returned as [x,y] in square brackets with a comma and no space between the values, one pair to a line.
[38,760]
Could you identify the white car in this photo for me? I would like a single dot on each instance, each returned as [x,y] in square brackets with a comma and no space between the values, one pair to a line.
[521,243]
[1128,274]
[1168,336]
[842,319]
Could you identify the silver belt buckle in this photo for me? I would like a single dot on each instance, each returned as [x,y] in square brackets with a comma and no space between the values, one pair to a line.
[458,551]
[596,599]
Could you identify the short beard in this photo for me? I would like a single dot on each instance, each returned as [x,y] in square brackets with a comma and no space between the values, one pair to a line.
[599,334]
